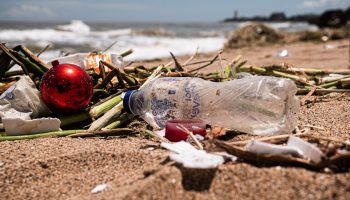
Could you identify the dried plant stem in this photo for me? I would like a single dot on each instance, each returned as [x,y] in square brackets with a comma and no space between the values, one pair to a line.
[126,53]
[211,62]
[268,138]
[106,80]
[105,133]
[177,64]
[184,129]
[125,77]
[263,71]
[13,58]
[328,139]
[322,91]
[34,58]
[154,135]
[27,64]
[43,50]
[110,46]
[314,127]
[192,57]
[156,73]
[306,97]
[310,71]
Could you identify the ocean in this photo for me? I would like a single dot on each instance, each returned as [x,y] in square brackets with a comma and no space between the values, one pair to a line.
[149,40]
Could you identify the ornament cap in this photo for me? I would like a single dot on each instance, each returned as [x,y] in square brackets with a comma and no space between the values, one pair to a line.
[55,63]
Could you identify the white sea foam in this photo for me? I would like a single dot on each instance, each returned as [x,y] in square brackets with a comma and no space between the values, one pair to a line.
[148,42]
[145,47]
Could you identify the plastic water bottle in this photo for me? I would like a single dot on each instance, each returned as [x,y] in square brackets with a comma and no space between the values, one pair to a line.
[257,105]
[91,60]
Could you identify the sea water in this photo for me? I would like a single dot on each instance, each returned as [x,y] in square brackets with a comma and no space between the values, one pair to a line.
[149,40]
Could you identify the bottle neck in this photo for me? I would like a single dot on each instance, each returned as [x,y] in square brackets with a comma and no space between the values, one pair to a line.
[133,102]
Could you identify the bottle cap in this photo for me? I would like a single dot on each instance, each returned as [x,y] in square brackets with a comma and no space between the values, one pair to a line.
[126,100]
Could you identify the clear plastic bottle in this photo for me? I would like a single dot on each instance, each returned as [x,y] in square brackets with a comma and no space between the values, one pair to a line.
[257,105]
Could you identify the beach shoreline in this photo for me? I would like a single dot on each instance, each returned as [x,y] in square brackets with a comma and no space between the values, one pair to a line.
[135,167]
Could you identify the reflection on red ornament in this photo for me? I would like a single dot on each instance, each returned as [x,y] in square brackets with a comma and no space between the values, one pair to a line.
[66,88]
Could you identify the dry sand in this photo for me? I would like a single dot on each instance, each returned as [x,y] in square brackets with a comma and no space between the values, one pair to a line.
[136,168]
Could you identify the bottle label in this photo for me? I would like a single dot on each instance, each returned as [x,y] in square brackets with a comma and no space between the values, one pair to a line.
[175,98]
[192,101]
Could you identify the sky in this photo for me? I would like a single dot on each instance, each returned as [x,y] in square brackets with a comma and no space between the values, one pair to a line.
[156,10]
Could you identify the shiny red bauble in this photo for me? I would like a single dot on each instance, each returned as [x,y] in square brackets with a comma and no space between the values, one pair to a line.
[66,88]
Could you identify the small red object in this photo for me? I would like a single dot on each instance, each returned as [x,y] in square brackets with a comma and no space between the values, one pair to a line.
[66,88]
[174,134]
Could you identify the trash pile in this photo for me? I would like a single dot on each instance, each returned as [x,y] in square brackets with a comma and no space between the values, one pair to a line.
[253,34]
[259,34]
[99,95]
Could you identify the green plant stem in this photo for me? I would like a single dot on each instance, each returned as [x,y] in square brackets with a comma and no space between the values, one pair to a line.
[310,71]
[263,71]
[72,119]
[110,115]
[104,107]
[41,135]
[126,53]
[32,57]
[8,53]
[13,73]
[120,121]
[29,66]
[335,82]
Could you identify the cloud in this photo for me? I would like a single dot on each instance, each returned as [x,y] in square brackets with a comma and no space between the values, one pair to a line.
[29,10]
[323,3]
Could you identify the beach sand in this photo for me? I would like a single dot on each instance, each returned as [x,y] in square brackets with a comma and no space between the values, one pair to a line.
[137,168]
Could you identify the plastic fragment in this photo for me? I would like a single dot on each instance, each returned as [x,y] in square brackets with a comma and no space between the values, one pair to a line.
[99,188]
[190,157]
[307,149]
[295,146]
[18,126]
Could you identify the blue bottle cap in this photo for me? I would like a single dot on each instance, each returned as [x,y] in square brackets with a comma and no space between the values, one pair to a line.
[126,100]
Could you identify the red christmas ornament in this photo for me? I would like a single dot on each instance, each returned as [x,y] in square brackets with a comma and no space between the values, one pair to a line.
[66,88]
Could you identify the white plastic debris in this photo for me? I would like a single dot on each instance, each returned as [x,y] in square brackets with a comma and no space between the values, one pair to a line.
[295,146]
[283,53]
[22,99]
[18,126]
[99,188]
[161,133]
[266,148]
[20,103]
[226,156]
[307,149]
[190,157]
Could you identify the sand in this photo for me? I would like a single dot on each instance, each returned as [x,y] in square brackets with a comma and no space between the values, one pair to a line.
[137,168]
